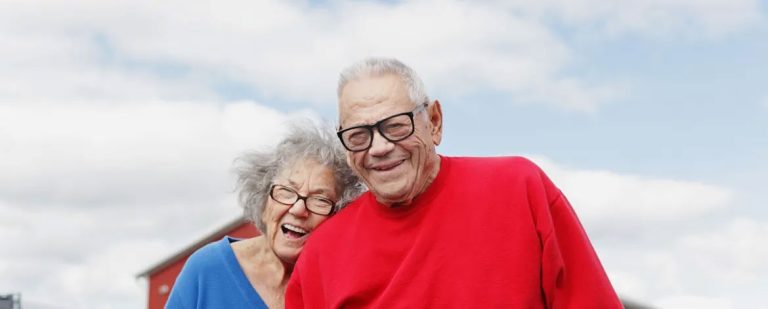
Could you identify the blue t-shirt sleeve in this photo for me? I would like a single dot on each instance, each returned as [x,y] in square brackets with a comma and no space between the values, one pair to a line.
[213,278]
[184,294]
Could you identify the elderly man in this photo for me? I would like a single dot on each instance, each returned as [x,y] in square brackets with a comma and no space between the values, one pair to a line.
[437,231]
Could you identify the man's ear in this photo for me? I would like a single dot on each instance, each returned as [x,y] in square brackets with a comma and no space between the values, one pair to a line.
[436,119]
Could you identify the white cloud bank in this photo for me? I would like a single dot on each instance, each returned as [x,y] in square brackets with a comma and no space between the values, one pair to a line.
[293,51]
[656,18]
[668,243]
[605,195]
[88,154]
[88,190]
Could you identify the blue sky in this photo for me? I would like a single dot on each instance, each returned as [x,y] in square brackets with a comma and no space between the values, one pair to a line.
[650,115]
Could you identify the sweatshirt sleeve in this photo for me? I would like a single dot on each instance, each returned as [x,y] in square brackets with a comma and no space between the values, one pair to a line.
[572,275]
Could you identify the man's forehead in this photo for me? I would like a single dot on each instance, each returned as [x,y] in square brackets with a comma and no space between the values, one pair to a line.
[372,97]
[360,113]
[370,86]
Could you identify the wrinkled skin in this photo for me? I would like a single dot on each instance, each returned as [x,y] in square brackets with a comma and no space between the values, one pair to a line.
[394,172]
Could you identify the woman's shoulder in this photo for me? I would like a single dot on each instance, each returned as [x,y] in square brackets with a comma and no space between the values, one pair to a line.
[208,256]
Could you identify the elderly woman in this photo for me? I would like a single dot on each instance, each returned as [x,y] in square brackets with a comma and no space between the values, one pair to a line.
[286,193]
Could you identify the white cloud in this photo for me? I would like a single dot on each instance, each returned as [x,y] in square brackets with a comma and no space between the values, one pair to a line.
[104,279]
[736,253]
[53,59]
[658,18]
[93,153]
[85,185]
[690,301]
[605,195]
[722,265]
[669,243]
[293,51]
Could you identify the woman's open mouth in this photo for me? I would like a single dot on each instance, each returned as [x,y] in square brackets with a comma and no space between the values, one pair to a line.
[293,232]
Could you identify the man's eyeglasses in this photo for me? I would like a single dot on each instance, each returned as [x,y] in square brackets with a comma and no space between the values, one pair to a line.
[394,128]
[315,204]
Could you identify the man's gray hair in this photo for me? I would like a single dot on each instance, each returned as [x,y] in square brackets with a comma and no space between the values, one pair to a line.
[374,67]
[257,170]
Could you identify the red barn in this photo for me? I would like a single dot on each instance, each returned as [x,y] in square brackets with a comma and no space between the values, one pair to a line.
[162,276]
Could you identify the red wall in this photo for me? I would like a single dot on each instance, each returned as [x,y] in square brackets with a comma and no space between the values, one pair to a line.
[160,284]
[161,281]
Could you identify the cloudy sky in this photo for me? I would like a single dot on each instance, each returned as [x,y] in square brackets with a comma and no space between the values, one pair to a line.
[119,122]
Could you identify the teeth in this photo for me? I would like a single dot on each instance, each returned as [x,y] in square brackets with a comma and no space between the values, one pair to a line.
[295,228]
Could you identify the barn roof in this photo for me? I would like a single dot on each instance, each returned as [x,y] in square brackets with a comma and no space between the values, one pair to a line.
[213,236]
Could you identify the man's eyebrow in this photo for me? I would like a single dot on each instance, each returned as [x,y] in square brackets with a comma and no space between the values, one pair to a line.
[355,124]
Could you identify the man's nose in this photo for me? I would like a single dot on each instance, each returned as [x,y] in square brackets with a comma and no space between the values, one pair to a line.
[380,145]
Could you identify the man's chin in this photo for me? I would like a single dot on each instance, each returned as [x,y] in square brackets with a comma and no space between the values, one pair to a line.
[392,198]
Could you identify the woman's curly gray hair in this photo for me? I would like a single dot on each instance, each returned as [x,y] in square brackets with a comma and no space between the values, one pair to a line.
[257,170]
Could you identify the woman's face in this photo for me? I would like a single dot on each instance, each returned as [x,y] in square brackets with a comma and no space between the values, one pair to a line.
[288,226]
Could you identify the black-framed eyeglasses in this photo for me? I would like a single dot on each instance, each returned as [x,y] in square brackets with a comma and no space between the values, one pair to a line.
[394,128]
[288,196]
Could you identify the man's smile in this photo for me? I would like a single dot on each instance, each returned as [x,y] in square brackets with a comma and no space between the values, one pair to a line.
[385,166]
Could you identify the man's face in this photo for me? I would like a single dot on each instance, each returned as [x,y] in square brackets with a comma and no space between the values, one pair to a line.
[394,172]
